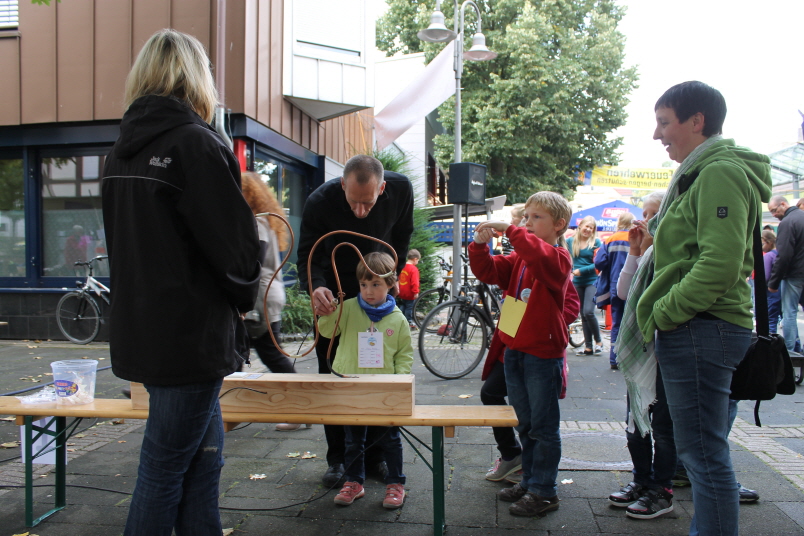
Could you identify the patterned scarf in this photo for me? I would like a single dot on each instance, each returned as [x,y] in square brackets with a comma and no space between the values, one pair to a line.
[376,314]
[635,355]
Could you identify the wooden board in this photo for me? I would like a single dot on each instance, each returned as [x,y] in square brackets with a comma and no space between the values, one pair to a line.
[319,394]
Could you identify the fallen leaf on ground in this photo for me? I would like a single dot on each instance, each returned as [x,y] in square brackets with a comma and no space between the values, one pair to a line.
[23,534]
[37,357]
[119,421]
[227,532]
[465,396]
[121,441]
[567,481]
[32,346]
[307,455]
[48,374]
[118,474]
[80,435]
[293,455]
[10,444]
[259,476]
[70,450]
[101,359]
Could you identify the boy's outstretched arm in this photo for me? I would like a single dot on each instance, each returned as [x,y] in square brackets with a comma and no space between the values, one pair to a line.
[494,270]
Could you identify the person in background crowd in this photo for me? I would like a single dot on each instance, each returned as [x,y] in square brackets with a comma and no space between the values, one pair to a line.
[409,286]
[610,260]
[788,270]
[517,215]
[171,198]
[582,247]
[769,254]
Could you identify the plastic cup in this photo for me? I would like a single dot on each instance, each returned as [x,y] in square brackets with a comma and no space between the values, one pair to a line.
[74,381]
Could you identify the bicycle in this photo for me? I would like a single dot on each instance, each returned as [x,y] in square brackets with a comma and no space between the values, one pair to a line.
[576,338]
[77,313]
[455,335]
[428,299]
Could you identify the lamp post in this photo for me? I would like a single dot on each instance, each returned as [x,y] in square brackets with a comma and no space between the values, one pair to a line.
[437,32]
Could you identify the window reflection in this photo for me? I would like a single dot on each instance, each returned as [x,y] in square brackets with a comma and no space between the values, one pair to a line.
[12,219]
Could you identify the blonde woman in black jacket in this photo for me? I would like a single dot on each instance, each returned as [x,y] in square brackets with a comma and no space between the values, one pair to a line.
[184,262]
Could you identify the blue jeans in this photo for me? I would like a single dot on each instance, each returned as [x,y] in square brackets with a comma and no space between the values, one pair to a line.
[774,312]
[180,463]
[534,385]
[698,359]
[493,393]
[388,441]
[791,294]
[654,457]
[406,306]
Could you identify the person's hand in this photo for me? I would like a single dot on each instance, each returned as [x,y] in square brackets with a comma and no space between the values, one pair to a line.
[576,272]
[483,236]
[773,290]
[322,300]
[416,296]
[499,226]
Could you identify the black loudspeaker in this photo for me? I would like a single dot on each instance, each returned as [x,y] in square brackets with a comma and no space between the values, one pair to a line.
[467,184]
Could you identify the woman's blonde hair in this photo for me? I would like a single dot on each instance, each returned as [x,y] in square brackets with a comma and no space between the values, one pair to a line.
[261,199]
[624,221]
[576,243]
[379,263]
[518,210]
[173,64]
[556,206]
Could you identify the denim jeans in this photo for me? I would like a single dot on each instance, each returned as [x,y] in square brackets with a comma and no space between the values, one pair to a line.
[387,440]
[791,294]
[654,457]
[493,393]
[698,359]
[406,306]
[617,310]
[591,328]
[774,312]
[534,385]
[180,463]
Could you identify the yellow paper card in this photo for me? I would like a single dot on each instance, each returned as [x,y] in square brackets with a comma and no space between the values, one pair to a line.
[511,316]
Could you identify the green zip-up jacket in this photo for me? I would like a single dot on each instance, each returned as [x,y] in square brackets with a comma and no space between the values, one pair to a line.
[702,248]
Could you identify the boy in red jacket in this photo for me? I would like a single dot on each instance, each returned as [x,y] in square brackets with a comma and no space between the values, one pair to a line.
[409,286]
[537,279]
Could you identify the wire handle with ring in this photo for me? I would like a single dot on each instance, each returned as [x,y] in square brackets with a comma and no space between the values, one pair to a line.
[340,293]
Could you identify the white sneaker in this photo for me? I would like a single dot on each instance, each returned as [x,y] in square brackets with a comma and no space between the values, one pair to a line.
[502,468]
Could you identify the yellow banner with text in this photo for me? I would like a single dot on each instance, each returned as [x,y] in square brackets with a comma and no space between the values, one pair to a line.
[624,177]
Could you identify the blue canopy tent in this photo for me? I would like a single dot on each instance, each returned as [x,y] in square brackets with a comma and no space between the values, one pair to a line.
[606,215]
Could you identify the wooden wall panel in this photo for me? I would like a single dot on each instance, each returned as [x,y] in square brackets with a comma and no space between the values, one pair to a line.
[250,58]
[235,56]
[75,44]
[276,43]
[295,126]
[264,62]
[305,134]
[193,17]
[37,62]
[147,18]
[112,56]
[10,80]
[287,117]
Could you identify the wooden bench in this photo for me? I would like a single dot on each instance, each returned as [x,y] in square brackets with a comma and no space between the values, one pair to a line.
[442,419]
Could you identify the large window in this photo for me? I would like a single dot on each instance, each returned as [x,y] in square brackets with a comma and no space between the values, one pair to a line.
[9,14]
[289,184]
[72,220]
[12,218]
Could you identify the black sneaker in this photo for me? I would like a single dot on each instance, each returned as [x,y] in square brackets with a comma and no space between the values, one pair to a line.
[748,495]
[653,504]
[334,475]
[627,495]
[377,470]
[532,505]
[512,494]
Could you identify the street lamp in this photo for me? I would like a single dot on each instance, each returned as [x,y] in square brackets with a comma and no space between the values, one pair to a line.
[437,32]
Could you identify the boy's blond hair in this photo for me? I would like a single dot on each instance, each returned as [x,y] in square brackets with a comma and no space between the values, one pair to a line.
[556,206]
[379,263]
[414,254]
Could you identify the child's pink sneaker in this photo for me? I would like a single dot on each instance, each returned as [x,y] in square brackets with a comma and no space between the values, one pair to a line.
[394,496]
[349,492]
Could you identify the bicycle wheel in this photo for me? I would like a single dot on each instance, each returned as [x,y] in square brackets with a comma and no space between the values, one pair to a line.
[425,303]
[576,334]
[453,339]
[78,317]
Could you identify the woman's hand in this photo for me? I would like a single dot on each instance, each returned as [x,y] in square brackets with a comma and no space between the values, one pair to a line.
[576,272]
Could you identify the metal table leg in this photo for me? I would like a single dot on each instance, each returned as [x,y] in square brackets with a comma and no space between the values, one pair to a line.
[60,440]
[438,481]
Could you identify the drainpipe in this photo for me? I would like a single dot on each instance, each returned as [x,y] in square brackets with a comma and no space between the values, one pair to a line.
[220,74]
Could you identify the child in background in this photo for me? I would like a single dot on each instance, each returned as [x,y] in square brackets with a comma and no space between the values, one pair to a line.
[367,320]
[409,286]
[535,335]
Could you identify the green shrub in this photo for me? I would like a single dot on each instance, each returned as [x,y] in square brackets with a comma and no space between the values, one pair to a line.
[297,316]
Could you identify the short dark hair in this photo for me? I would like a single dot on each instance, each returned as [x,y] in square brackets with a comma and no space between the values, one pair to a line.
[365,169]
[689,98]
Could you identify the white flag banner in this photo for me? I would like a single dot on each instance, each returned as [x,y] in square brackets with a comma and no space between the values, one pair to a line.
[433,86]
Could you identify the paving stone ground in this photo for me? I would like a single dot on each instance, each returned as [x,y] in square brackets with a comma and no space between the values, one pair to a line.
[291,498]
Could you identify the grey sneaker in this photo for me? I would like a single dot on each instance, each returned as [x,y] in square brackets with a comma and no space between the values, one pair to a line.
[502,468]
[654,503]
[514,478]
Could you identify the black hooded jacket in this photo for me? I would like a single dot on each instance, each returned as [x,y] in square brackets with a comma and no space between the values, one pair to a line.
[183,248]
